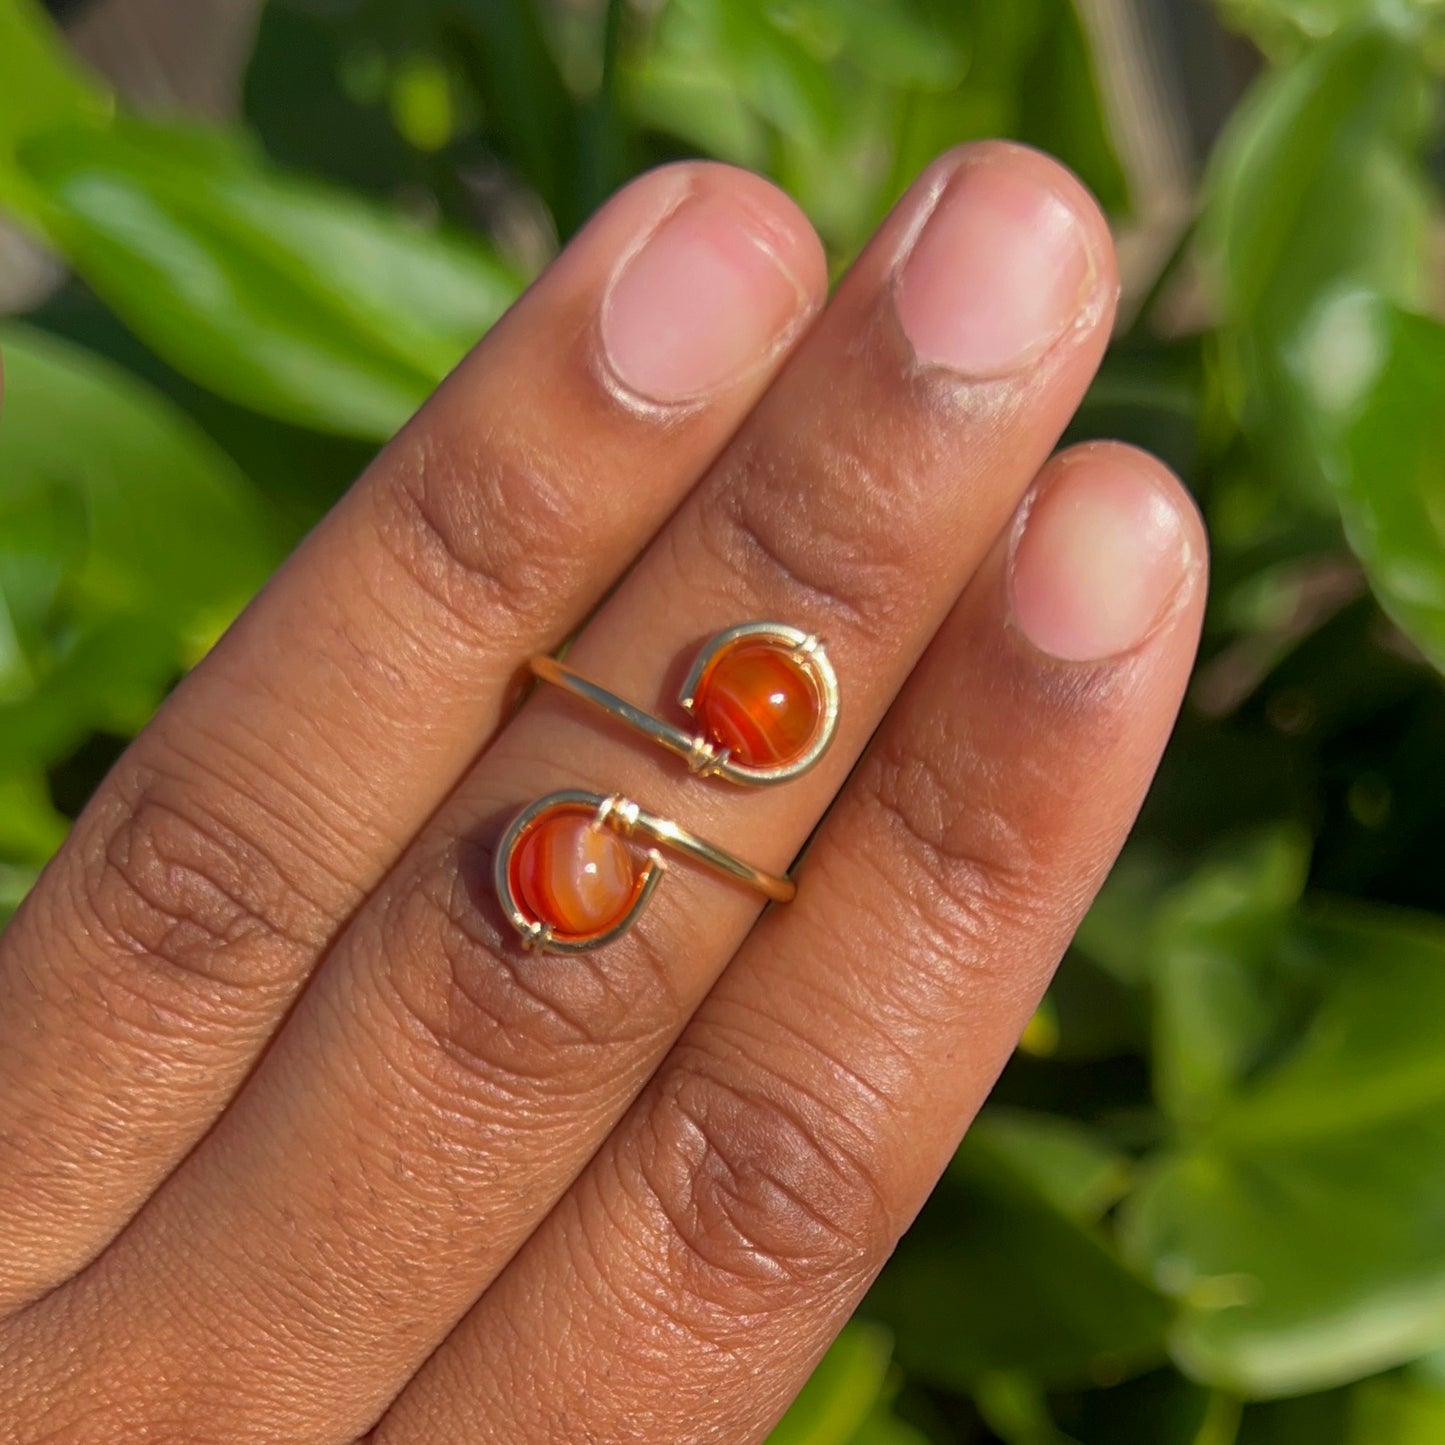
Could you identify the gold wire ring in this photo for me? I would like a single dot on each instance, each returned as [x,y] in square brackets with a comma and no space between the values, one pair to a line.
[811,692]
[586,833]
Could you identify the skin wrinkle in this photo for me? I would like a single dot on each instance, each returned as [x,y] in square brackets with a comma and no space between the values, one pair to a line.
[893,1032]
[724,1354]
[387,682]
[448,416]
[368,673]
[1043,811]
[271,1323]
[741,1148]
[407,1257]
[472,1133]
[304,839]
[646,1344]
[185,864]
[308,809]
[463,1100]
[819,570]
[467,1012]
[166,867]
[928,984]
[480,580]
[772,1036]
[856,1142]
[651,1301]
[858,563]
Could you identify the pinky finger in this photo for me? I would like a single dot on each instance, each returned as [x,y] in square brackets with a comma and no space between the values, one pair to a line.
[699,1268]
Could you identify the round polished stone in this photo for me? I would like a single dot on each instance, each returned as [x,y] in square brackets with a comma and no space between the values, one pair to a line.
[578,877]
[760,702]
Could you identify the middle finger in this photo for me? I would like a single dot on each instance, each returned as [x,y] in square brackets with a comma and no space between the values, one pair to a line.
[435,1092]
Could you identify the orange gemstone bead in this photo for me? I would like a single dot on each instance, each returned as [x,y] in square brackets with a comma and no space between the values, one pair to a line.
[760,702]
[578,877]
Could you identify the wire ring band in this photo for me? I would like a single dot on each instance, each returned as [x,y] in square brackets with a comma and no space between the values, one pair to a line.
[569,883]
[764,695]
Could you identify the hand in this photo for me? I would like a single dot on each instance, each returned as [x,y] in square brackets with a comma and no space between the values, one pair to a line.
[296,1144]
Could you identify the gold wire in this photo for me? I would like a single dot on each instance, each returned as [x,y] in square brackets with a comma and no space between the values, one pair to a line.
[702,757]
[627,819]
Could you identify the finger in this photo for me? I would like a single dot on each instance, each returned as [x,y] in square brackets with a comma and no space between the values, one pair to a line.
[693,1276]
[435,1092]
[159,951]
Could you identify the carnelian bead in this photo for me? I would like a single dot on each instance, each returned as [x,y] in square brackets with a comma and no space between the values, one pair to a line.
[578,877]
[760,702]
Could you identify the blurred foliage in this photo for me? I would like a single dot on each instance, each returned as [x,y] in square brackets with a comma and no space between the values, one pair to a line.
[1208,1204]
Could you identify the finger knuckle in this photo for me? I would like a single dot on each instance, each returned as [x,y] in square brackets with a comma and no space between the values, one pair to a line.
[981,870]
[855,560]
[766,1193]
[498,1026]
[178,891]
[485,527]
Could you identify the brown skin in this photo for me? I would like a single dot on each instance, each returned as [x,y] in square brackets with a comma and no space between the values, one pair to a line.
[447,1202]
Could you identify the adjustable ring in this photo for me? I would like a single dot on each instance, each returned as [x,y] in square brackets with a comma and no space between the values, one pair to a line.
[764,696]
[570,878]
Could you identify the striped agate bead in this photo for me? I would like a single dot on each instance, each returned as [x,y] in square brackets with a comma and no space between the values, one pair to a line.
[761,703]
[579,878]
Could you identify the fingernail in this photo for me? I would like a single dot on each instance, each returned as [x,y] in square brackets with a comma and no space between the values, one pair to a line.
[1103,552]
[706,298]
[1000,272]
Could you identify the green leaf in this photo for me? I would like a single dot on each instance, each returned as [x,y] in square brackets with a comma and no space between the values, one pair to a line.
[1282,26]
[685,95]
[1318,219]
[15,883]
[1031,76]
[1303,1226]
[128,541]
[109,677]
[996,1280]
[30,828]
[1161,1408]
[1396,1410]
[1315,181]
[886,39]
[1382,381]
[782,79]
[843,103]
[104,479]
[279,293]
[423,108]
[1308,1420]
[41,84]
[1016,1410]
[1223,987]
[883,1427]
[1316,188]
[1062,110]
[1116,933]
[529,111]
[1069,1164]
[844,1402]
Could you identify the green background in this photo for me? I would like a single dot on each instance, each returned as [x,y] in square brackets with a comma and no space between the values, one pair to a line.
[1207,1206]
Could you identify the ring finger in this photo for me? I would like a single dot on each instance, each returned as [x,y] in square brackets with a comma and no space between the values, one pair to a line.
[434,1094]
